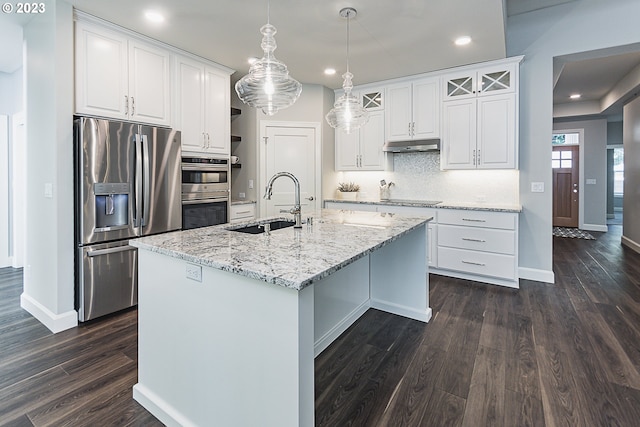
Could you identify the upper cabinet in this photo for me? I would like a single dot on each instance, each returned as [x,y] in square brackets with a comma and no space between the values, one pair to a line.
[203,113]
[413,110]
[484,81]
[362,149]
[121,78]
[480,118]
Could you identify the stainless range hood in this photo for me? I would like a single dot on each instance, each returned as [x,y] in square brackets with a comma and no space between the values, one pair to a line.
[412,146]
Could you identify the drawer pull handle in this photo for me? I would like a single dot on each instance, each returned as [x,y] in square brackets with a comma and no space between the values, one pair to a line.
[473,263]
[473,220]
[242,212]
[473,240]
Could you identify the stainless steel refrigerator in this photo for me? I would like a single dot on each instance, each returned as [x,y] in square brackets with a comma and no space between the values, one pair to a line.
[127,184]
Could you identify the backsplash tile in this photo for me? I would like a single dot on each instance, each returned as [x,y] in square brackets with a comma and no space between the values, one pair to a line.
[417,176]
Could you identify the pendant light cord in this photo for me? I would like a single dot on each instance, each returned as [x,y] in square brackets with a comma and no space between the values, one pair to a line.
[268,11]
[348,16]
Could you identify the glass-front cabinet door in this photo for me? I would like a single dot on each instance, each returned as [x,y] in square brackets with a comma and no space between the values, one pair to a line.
[485,81]
[373,100]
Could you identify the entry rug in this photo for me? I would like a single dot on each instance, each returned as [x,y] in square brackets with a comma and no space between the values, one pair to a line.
[574,233]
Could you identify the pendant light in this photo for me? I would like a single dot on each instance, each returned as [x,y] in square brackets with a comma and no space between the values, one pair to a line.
[347,114]
[268,85]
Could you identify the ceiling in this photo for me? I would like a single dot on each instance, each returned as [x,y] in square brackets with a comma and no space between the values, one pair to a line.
[387,39]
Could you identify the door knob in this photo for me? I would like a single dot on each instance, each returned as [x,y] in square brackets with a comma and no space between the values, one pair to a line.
[310,198]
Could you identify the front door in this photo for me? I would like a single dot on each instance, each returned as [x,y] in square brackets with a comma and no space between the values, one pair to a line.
[564,164]
[293,148]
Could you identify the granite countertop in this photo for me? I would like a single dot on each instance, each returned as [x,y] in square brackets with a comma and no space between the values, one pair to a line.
[288,257]
[436,204]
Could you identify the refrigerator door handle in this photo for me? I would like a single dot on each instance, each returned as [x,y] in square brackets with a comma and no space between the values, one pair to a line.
[146,191]
[137,218]
[99,252]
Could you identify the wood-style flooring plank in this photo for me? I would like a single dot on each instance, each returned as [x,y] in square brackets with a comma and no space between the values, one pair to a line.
[486,400]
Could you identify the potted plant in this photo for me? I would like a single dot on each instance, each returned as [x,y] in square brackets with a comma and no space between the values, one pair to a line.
[348,190]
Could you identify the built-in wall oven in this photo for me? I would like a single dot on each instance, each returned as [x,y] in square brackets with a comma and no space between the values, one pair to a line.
[205,191]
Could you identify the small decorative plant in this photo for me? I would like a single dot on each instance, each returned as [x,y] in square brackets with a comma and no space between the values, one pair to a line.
[348,187]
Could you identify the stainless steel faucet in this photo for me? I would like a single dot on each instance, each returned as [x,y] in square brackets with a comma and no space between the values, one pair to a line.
[296,211]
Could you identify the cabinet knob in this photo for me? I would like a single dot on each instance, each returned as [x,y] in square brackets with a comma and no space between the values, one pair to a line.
[310,198]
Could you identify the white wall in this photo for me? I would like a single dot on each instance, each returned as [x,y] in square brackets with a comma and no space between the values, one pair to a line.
[631,136]
[49,282]
[541,35]
[594,146]
[11,90]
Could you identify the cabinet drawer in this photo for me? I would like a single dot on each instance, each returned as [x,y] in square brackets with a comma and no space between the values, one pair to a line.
[242,212]
[482,263]
[477,239]
[470,218]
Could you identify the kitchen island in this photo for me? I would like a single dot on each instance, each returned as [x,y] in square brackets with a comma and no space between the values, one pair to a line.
[230,323]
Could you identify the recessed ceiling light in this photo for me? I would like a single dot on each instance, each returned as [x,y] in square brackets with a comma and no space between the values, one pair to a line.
[575,96]
[154,16]
[330,71]
[461,41]
[252,60]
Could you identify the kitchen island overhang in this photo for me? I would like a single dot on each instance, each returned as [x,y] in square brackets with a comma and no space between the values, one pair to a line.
[237,347]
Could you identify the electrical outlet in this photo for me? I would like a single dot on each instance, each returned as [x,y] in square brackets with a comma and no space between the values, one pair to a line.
[591,181]
[242,195]
[194,272]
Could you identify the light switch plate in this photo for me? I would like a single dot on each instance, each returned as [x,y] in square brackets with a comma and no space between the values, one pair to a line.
[537,187]
[194,272]
[48,190]
[591,181]
[250,184]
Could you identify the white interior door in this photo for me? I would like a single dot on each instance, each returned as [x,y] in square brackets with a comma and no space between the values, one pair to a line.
[290,147]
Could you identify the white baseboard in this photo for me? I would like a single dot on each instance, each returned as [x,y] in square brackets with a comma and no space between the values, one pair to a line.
[160,409]
[324,341]
[630,244]
[401,310]
[55,322]
[536,274]
[594,227]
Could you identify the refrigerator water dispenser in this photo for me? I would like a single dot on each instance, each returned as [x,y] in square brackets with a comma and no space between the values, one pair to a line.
[112,206]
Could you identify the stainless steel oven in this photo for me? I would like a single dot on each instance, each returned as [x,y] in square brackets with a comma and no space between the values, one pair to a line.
[205,191]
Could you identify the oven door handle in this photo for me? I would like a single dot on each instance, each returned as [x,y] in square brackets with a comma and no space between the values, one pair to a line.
[204,168]
[202,201]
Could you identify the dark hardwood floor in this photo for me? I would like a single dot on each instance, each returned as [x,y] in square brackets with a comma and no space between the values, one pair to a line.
[563,354]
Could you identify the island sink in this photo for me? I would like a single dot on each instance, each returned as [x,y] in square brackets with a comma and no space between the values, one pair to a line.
[260,228]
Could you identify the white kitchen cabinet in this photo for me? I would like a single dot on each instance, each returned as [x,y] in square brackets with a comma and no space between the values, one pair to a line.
[119,77]
[480,133]
[470,83]
[478,245]
[480,117]
[242,212]
[413,110]
[362,149]
[203,114]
